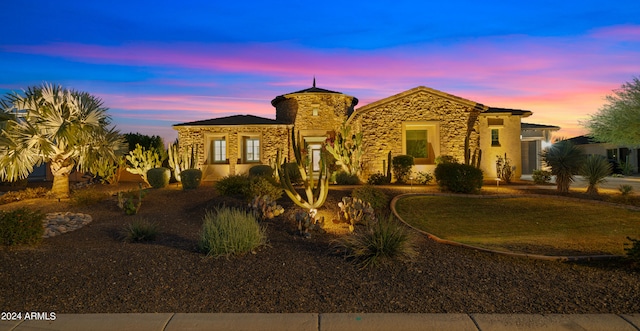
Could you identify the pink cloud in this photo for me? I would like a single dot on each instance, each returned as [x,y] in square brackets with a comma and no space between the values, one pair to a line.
[626,32]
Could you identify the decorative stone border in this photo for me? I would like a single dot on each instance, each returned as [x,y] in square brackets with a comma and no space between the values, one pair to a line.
[62,222]
[533,256]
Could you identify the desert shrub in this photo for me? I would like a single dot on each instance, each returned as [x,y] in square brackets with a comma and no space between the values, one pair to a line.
[230,231]
[504,168]
[140,230]
[130,201]
[345,178]
[401,166]
[158,177]
[625,189]
[632,251]
[88,197]
[541,177]
[28,193]
[233,185]
[21,227]
[261,186]
[381,242]
[423,178]
[378,179]
[379,200]
[190,178]
[292,170]
[458,178]
[261,170]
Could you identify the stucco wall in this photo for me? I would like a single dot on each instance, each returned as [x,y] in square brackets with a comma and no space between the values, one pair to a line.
[509,136]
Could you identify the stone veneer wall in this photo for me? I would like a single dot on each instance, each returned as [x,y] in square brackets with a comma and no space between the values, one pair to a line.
[272,139]
[333,109]
[381,126]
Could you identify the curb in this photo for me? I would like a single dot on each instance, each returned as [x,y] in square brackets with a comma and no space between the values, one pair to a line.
[328,322]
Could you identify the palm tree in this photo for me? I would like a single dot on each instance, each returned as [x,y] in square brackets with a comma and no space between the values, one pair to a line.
[595,170]
[65,128]
[565,160]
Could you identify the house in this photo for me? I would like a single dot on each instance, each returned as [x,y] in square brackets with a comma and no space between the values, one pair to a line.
[421,122]
[619,156]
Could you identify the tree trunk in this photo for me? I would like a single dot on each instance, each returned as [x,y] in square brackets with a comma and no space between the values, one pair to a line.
[60,168]
[60,188]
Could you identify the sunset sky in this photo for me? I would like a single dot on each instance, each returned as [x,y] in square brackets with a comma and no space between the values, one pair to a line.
[155,64]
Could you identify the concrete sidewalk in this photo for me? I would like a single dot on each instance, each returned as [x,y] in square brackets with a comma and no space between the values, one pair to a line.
[329,322]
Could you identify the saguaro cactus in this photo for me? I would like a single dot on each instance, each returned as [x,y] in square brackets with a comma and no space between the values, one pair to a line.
[316,191]
[181,161]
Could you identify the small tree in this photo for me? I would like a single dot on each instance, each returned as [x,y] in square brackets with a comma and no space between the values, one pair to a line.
[618,121]
[565,160]
[65,128]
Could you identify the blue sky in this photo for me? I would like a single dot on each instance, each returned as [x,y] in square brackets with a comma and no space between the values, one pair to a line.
[160,63]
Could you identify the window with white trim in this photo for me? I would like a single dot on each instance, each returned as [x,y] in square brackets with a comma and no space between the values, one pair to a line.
[218,150]
[252,149]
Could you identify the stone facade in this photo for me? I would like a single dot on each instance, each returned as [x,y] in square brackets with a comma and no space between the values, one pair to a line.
[451,125]
[272,138]
[449,119]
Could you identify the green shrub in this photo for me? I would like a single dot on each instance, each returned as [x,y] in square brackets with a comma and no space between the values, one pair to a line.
[458,178]
[233,185]
[21,227]
[379,200]
[261,186]
[130,201]
[401,165]
[378,179]
[446,159]
[88,197]
[140,230]
[541,177]
[344,178]
[294,173]
[159,177]
[261,170]
[28,193]
[383,241]
[190,178]
[230,231]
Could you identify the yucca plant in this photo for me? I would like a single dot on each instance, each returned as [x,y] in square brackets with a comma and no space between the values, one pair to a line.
[595,171]
[565,160]
[140,230]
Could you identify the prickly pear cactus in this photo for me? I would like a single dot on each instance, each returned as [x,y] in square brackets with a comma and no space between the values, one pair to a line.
[264,207]
[355,211]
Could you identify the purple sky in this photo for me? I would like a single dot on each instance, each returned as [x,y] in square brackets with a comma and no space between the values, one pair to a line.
[155,64]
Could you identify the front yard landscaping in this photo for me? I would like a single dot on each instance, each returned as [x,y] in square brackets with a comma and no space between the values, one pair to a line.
[93,270]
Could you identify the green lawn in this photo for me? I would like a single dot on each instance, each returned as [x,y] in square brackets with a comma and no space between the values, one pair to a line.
[548,226]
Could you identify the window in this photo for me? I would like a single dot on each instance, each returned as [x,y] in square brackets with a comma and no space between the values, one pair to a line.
[416,141]
[612,154]
[421,140]
[218,150]
[252,150]
[495,137]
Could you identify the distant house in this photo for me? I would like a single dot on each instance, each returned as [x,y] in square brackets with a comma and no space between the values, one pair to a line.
[422,122]
[617,155]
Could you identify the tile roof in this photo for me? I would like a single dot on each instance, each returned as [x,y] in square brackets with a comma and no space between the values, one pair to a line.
[232,120]
[538,126]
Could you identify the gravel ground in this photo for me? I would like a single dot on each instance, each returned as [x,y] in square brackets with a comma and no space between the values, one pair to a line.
[91,270]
